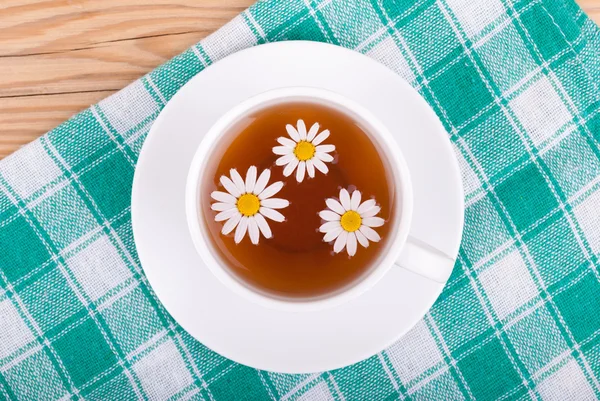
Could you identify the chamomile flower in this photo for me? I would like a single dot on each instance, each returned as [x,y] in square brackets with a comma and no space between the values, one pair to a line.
[246,204]
[348,222]
[304,152]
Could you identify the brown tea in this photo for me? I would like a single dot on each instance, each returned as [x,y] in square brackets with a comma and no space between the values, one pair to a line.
[297,199]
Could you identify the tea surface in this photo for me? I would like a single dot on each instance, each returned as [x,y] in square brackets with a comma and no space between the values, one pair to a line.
[295,261]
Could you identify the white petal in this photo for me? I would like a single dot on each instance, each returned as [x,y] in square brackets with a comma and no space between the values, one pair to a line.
[282,150]
[251,179]
[223,197]
[366,205]
[240,231]
[319,165]
[328,215]
[325,148]
[289,169]
[351,244]
[362,239]
[237,180]
[263,225]
[283,160]
[310,169]
[333,234]
[355,201]
[300,171]
[261,183]
[272,214]
[292,132]
[287,142]
[220,207]
[230,186]
[370,233]
[231,223]
[321,137]
[373,221]
[326,157]
[340,242]
[275,203]
[335,206]
[330,225]
[313,132]
[345,199]
[253,230]
[227,214]
[302,130]
[371,212]
[271,190]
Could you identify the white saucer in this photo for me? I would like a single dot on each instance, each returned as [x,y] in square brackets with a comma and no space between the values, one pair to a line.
[227,323]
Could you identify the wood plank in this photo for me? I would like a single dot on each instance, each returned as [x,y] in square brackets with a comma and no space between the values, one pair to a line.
[59,56]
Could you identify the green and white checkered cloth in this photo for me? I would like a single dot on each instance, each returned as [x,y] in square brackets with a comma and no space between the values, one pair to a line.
[515,84]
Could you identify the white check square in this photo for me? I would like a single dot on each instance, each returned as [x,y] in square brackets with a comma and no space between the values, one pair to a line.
[98,268]
[508,284]
[14,333]
[540,110]
[414,353]
[29,170]
[162,372]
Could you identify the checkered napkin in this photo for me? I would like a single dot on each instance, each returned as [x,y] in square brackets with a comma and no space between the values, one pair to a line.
[514,83]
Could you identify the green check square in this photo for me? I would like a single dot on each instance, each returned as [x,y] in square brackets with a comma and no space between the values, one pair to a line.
[460,316]
[116,388]
[536,339]
[84,352]
[396,8]
[273,19]
[573,163]
[461,91]
[170,77]
[35,378]
[241,384]
[554,249]
[22,249]
[481,218]
[50,300]
[307,29]
[576,304]
[543,31]
[350,31]
[498,153]
[499,51]
[526,196]
[489,371]
[132,319]
[564,14]
[114,172]
[80,150]
[366,377]
[431,39]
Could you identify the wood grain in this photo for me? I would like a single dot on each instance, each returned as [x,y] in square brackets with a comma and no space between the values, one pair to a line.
[58,57]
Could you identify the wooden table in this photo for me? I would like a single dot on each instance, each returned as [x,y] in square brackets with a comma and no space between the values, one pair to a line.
[57,57]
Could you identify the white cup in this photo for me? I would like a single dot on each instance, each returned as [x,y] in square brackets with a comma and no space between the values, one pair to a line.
[401,251]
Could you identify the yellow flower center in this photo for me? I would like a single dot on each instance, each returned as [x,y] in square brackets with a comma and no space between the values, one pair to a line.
[351,221]
[248,204]
[304,151]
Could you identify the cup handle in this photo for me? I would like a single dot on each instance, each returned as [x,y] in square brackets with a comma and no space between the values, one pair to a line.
[425,260]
